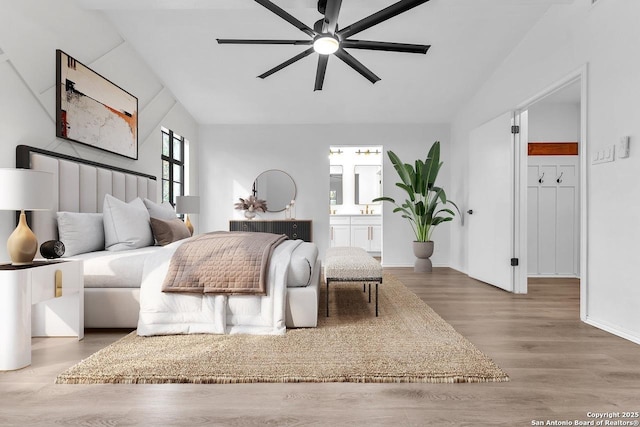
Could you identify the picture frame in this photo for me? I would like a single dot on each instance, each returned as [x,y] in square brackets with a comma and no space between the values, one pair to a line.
[92,110]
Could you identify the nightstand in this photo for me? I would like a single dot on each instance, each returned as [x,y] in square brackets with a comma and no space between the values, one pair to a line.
[45,299]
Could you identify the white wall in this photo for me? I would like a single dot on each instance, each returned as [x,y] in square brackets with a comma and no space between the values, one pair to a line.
[32,31]
[554,122]
[232,156]
[566,38]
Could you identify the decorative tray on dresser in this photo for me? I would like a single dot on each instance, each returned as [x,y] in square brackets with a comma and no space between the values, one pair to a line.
[293,228]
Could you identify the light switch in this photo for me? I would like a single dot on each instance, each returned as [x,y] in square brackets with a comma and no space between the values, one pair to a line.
[622,149]
[604,155]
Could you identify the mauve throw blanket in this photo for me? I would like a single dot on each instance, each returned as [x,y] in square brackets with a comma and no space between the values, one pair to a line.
[222,262]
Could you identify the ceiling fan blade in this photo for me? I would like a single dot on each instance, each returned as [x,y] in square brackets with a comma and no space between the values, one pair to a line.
[287,17]
[356,65]
[332,10]
[323,60]
[287,63]
[378,17]
[386,46]
[243,41]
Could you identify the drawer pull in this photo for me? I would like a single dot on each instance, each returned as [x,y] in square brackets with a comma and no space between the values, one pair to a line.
[58,283]
[294,225]
[295,236]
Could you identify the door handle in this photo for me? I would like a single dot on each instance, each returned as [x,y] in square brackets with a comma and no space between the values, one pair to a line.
[470,211]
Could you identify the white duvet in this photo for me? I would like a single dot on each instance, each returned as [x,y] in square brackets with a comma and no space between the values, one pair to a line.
[180,313]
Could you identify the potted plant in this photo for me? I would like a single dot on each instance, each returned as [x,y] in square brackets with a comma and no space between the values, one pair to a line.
[251,205]
[426,206]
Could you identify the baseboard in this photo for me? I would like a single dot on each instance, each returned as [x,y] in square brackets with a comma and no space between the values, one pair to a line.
[613,329]
[552,276]
[385,265]
[408,265]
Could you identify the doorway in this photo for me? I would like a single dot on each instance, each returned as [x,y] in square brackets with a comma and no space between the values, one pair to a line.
[570,91]
[553,185]
[506,141]
[355,179]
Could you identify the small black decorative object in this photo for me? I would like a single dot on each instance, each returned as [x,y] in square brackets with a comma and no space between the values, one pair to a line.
[52,249]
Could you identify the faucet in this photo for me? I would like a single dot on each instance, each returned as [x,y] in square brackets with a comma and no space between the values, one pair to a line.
[367,210]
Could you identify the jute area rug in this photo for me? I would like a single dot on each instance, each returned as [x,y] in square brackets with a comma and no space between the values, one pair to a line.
[408,342]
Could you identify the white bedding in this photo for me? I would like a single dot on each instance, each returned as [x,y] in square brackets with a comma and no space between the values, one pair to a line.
[178,313]
[108,269]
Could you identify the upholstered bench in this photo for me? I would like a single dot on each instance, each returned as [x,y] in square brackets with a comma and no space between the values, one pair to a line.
[347,264]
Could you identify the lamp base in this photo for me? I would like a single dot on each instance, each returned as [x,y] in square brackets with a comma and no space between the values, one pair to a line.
[22,244]
[187,222]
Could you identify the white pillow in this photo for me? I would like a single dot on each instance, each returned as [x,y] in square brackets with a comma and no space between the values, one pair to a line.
[126,225]
[164,211]
[80,232]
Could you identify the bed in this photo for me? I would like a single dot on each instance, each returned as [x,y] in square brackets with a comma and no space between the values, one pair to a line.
[113,279]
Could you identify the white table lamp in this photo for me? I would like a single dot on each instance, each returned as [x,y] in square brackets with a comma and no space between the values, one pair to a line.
[24,189]
[188,205]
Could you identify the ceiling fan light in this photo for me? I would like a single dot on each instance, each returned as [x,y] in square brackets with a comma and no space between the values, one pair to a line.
[326,44]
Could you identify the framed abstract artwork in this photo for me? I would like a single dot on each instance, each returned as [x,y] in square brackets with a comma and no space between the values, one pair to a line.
[94,111]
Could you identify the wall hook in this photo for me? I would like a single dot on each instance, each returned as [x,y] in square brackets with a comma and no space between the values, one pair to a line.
[541,179]
[559,180]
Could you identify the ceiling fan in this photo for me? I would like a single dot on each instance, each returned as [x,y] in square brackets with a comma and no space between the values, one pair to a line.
[327,38]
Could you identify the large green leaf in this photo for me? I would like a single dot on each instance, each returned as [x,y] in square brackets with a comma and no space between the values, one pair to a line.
[383,199]
[432,164]
[399,167]
[408,189]
[419,184]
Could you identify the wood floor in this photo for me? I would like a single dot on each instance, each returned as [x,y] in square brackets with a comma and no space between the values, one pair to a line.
[560,369]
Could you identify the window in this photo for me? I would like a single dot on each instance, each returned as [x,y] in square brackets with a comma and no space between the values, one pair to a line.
[172,166]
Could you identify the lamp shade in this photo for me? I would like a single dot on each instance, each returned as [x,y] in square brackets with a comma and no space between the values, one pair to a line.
[26,189]
[188,204]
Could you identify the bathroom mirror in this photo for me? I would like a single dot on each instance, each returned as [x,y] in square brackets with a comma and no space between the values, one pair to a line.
[335,185]
[368,183]
[276,187]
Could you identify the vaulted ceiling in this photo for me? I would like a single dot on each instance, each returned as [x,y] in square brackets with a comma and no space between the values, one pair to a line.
[218,84]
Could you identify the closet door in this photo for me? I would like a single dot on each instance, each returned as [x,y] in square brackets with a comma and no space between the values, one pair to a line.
[552,197]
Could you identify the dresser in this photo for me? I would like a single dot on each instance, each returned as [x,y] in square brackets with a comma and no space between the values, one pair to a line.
[293,228]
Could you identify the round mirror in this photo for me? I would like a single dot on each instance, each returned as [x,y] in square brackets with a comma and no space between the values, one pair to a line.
[276,187]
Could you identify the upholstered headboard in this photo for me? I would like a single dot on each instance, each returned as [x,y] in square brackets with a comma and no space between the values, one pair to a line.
[80,185]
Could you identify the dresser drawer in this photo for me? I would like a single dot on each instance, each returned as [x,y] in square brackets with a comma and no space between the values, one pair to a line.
[366,220]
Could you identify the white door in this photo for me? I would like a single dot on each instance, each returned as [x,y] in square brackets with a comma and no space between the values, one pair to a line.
[490,215]
[361,236]
[340,235]
[376,238]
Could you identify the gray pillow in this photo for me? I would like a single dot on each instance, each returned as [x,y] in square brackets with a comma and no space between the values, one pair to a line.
[169,231]
[80,232]
[126,225]
[163,211]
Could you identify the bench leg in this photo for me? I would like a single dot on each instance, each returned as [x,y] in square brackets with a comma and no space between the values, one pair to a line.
[364,287]
[376,297]
[327,298]
[369,293]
